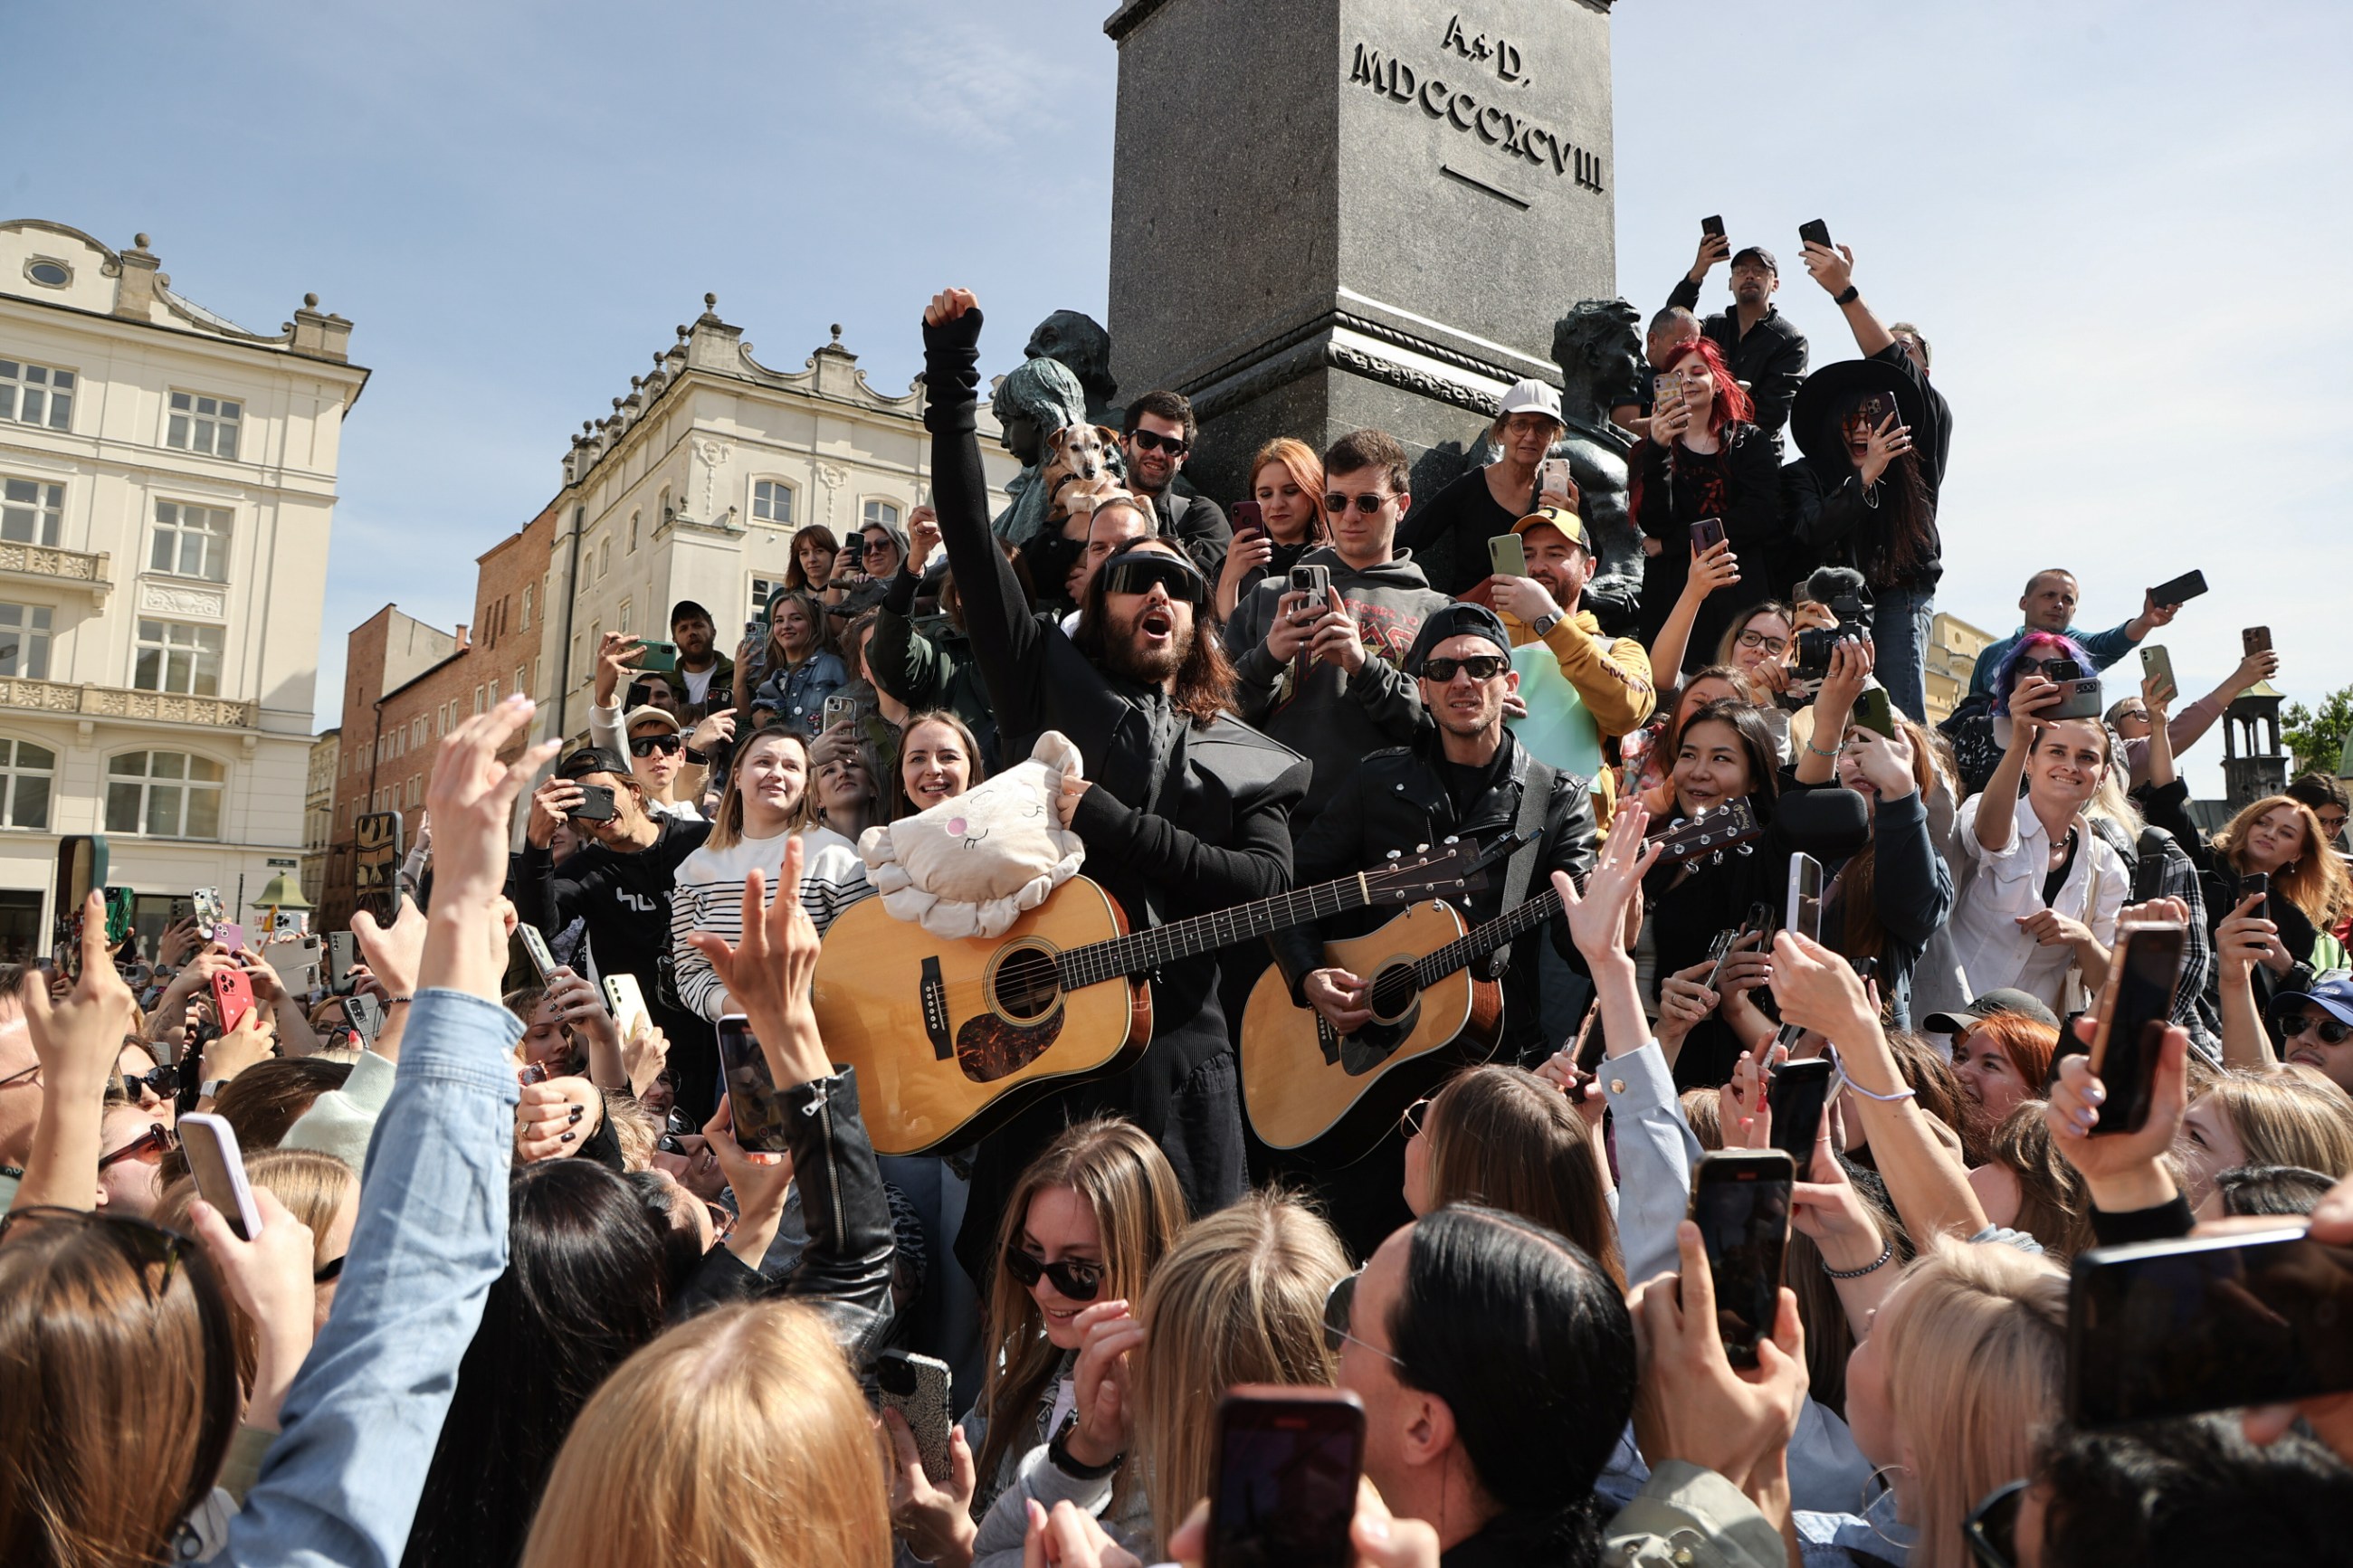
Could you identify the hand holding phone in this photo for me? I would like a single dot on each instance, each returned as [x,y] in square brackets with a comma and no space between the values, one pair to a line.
[1803,913]
[1284,1487]
[210,1145]
[2256,639]
[1798,1095]
[1814,231]
[1740,1201]
[2136,1007]
[1248,517]
[534,946]
[916,1386]
[232,997]
[1507,555]
[753,1103]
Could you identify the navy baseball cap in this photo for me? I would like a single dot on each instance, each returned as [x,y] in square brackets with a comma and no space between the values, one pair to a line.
[589,760]
[1459,620]
[1761,254]
[2332,994]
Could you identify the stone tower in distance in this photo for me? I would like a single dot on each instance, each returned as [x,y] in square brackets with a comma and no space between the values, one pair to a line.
[1330,214]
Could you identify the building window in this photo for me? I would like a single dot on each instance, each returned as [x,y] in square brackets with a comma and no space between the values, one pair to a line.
[200,423]
[37,394]
[26,773]
[24,641]
[190,541]
[882,513]
[763,589]
[176,656]
[603,559]
[494,691]
[524,624]
[772,501]
[519,684]
[48,273]
[165,794]
[622,624]
[31,512]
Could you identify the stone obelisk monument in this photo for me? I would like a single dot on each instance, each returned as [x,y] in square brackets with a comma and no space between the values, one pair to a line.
[1329,214]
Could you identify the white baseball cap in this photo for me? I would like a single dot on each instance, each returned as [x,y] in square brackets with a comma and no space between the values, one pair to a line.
[1531,397]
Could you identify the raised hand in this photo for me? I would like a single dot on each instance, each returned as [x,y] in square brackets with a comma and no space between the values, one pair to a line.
[767,973]
[1596,918]
[2124,1171]
[934,1521]
[270,1276]
[1713,568]
[393,951]
[1691,1404]
[554,1118]
[1107,1419]
[949,305]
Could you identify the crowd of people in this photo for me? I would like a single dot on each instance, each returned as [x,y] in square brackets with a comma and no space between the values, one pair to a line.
[525,1288]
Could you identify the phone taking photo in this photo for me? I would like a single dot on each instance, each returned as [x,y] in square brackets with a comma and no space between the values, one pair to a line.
[2158,663]
[210,1145]
[2136,1006]
[656,658]
[1814,232]
[2179,591]
[1874,711]
[342,952]
[596,804]
[1507,555]
[534,947]
[1706,534]
[366,1015]
[1713,226]
[1803,912]
[1248,517]
[82,869]
[1798,1095]
[232,997]
[1284,1486]
[1316,581]
[754,1105]
[916,1386]
[1740,1201]
[2256,639]
[2160,1330]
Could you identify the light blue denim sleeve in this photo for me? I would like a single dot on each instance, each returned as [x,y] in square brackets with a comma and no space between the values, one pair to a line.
[1655,1152]
[341,1484]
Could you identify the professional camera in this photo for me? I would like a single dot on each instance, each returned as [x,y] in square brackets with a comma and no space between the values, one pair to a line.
[1815,643]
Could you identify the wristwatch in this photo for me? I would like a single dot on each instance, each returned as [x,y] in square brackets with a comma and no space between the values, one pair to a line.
[1848,297]
[210,1088]
[1545,624]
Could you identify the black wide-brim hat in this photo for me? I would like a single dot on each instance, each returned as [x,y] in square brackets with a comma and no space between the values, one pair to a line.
[1824,397]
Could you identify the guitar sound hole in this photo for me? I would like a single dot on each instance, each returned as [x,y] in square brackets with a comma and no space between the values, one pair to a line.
[1026,988]
[1393,994]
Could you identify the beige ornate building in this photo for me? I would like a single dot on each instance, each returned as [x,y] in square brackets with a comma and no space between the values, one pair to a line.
[167,483]
[693,487]
[319,810]
[1952,648]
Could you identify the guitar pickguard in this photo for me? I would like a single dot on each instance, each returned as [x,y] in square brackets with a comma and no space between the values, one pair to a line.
[1370,1047]
[989,1048]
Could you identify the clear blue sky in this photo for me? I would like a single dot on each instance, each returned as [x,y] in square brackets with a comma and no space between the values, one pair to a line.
[2123,227]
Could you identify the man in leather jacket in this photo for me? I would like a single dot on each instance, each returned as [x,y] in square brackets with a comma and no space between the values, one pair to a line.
[1462,777]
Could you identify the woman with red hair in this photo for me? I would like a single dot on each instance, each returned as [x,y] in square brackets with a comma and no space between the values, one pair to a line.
[1704,458]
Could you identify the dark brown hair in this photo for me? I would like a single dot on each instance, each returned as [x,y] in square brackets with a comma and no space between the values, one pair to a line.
[795,578]
[1173,406]
[1368,448]
[1205,680]
[1502,1137]
[900,804]
[261,1103]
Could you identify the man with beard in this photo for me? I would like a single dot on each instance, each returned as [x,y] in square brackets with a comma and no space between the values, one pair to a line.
[1464,776]
[1155,439]
[619,886]
[704,676]
[1183,810]
[1768,355]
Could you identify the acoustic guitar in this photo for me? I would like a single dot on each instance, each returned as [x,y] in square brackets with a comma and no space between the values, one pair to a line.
[1304,1082]
[951,1039]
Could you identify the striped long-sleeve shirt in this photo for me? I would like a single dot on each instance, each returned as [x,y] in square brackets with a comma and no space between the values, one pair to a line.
[709,896]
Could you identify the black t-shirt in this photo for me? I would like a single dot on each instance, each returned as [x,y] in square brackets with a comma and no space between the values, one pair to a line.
[1448,533]
[2054,880]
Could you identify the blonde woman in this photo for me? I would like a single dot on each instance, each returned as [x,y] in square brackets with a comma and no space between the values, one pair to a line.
[2287,1116]
[1087,1222]
[768,802]
[1287,483]
[737,1438]
[1239,1299]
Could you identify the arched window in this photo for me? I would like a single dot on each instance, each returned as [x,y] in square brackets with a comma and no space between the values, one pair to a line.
[26,772]
[885,512]
[164,794]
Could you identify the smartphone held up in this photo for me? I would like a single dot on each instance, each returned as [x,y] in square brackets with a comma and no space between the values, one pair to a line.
[1285,1481]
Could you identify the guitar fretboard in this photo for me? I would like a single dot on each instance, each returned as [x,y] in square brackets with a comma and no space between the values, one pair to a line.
[1142,952]
[1478,942]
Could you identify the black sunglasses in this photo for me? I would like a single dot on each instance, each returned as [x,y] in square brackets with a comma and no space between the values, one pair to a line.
[163,1082]
[2331,1032]
[158,1138]
[1480,667]
[647,745]
[877,546]
[1991,1528]
[1074,1277]
[1141,573]
[331,1269]
[1152,441]
[1339,1311]
[1367,504]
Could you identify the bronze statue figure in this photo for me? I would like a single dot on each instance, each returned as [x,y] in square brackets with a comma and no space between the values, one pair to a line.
[1598,348]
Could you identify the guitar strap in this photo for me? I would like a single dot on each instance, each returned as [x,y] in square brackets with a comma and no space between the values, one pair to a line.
[1527,828]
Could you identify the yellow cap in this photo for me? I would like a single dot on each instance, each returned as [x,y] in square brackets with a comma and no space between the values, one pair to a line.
[1559,516]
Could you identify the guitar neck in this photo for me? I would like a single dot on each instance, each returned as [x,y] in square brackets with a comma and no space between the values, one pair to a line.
[1481,941]
[1141,952]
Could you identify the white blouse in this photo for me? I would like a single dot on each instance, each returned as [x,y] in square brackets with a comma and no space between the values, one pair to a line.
[1997,888]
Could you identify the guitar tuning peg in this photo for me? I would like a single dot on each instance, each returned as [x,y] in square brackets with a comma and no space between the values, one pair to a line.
[1396,854]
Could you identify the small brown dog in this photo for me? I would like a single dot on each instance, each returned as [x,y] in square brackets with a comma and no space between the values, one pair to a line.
[1074,452]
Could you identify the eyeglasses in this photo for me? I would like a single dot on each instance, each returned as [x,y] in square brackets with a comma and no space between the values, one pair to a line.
[1140,574]
[647,745]
[1368,504]
[146,1243]
[1991,1528]
[1153,441]
[1339,1308]
[1479,666]
[723,1219]
[2331,1032]
[2044,665]
[158,1140]
[1073,1277]
[1777,647]
[1410,1122]
[880,546]
[331,1269]
[29,1075]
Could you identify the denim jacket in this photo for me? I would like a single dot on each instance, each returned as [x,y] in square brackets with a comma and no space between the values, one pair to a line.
[798,695]
[339,1486]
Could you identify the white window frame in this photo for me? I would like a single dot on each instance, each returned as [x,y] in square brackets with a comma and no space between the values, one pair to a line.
[866,518]
[177,524]
[171,653]
[762,588]
[36,506]
[41,396]
[204,423]
[15,772]
[186,786]
[29,658]
[776,486]
[524,624]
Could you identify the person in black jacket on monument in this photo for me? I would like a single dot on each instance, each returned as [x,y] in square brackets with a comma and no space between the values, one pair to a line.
[1766,353]
[1704,458]
[618,885]
[1875,435]
[1184,811]
[1464,776]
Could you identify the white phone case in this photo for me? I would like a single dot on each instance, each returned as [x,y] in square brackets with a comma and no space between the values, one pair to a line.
[210,1144]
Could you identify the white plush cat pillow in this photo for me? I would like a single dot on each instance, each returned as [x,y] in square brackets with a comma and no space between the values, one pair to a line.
[972,864]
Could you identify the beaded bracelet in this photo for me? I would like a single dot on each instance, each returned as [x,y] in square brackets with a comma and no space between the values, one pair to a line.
[1886,1254]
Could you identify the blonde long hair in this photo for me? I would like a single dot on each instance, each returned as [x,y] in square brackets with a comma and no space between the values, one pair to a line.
[1977,1345]
[1240,1299]
[1126,1183]
[2315,882]
[734,1440]
[2288,1116]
